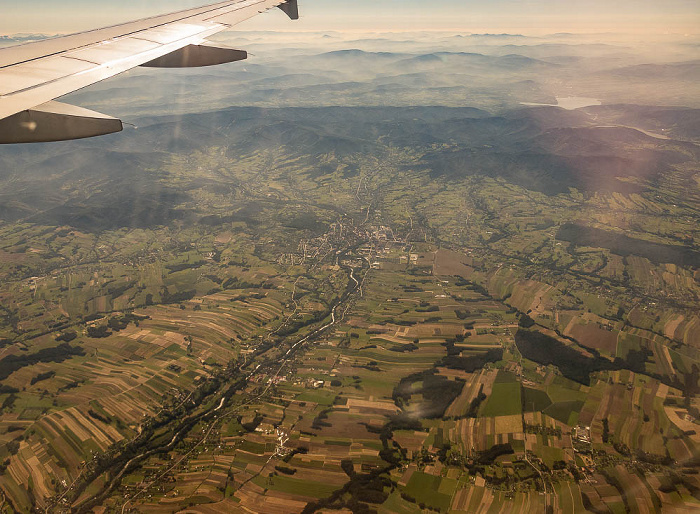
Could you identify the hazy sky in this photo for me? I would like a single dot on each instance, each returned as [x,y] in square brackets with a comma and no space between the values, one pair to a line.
[524,16]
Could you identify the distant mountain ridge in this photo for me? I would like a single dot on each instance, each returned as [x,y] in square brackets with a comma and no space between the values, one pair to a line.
[114,181]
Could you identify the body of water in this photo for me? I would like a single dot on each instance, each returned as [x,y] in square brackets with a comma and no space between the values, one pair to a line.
[569,102]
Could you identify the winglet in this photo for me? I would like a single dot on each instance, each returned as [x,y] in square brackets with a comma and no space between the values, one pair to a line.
[291,9]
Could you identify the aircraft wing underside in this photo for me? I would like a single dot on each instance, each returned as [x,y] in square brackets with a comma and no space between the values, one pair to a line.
[32,75]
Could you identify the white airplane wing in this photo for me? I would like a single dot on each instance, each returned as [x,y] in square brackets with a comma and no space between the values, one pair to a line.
[32,75]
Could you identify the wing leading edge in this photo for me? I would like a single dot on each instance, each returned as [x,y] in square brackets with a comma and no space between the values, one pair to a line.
[33,75]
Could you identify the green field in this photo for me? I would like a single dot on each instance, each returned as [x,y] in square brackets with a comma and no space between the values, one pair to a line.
[535,400]
[505,398]
[426,489]
[566,412]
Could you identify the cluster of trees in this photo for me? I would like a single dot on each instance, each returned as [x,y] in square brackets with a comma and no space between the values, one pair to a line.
[285,470]
[471,363]
[574,365]
[299,450]
[472,286]
[403,348]
[42,376]
[253,424]
[295,326]
[12,363]
[476,403]
[606,430]
[401,322]
[118,323]
[624,245]
[13,446]
[181,296]
[173,268]
[116,290]
[9,402]
[489,456]
[236,283]
[363,489]
[319,421]
[100,417]
[66,336]
[422,505]
[547,350]
[98,331]
[525,321]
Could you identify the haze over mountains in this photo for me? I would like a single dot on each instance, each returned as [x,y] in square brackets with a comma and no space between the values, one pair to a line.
[492,72]
[472,121]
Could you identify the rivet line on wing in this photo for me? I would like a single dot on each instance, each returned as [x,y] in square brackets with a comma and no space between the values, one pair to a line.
[145,39]
[79,59]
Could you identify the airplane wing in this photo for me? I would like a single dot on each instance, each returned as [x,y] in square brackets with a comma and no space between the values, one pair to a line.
[33,75]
